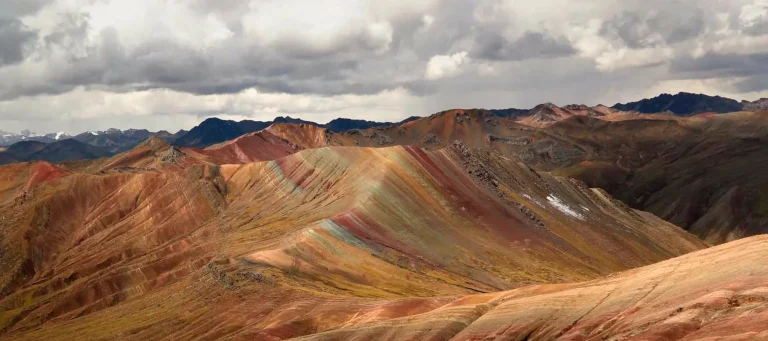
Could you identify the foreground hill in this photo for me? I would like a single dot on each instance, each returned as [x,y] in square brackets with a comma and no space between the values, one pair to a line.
[160,247]
[687,298]
[692,297]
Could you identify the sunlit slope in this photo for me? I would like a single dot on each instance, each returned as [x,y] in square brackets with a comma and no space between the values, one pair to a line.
[83,242]
[401,211]
[693,297]
[158,251]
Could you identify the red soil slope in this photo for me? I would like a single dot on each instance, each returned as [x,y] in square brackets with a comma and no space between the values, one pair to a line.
[42,172]
[318,240]
[652,162]
[258,146]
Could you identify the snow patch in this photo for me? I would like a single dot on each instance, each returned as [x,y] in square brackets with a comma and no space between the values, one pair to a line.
[93,133]
[533,200]
[59,135]
[562,207]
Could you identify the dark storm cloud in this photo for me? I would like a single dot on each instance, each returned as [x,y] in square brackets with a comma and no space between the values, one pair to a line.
[495,53]
[721,65]
[752,69]
[643,29]
[295,67]
[13,37]
[752,84]
[17,8]
[357,61]
[493,46]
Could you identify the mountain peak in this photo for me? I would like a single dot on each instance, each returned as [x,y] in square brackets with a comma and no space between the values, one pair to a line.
[212,119]
[153,143]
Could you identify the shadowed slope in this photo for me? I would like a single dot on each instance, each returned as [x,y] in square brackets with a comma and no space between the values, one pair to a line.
[703,173]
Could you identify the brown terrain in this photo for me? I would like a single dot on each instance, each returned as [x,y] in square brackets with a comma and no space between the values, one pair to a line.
[703,172]
[435,229]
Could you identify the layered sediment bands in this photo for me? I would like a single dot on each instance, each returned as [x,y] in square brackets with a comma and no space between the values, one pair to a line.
[305,136]
[701,173]
[693,297]
[258,146]
[470,126]
[317,240]
[373,216]
[277,141]
[84,242]
[717,293]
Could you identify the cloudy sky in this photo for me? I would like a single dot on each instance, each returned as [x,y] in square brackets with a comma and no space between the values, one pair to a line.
[76,65]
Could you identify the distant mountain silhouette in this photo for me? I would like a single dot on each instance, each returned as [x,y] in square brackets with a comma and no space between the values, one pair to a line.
[511,113]
[288,119]
[682,104]
[343,124]
[22,150]
[59,151]
[215,130]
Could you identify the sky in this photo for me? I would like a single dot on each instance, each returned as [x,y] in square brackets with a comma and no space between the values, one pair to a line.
[78,65]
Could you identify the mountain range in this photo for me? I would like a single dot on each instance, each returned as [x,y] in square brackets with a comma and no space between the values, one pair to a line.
[215,130]
[683,104]
[552,223]
[7,139]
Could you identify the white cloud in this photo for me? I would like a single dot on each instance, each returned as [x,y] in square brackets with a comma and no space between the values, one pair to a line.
[754,14]
[427,21]
[624,58]
[442,66]
[98,110]
[486,69]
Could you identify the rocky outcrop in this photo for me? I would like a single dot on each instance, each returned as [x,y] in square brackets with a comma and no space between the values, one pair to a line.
[761,104]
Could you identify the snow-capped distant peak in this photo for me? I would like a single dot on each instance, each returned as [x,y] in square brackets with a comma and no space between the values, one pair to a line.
[59,135]
[94,133]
